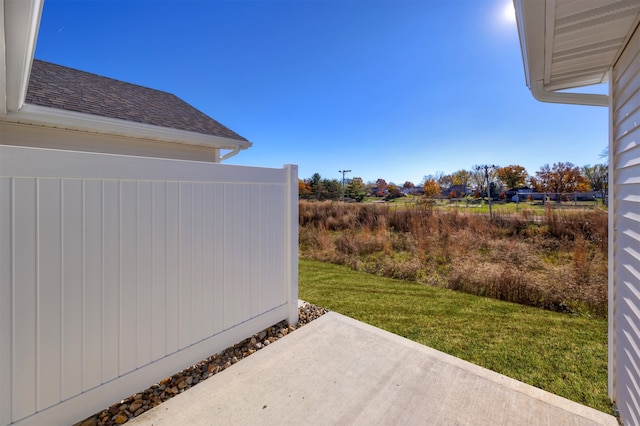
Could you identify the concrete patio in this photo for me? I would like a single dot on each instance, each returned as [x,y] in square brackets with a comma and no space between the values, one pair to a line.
[337,370]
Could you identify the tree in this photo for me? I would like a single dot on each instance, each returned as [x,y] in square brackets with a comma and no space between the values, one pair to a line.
[445,181]
[512,176]
[431,188]
[328,189]
[461,177]
[598,177]
[314,184]
[393,191]
[304,189]
[408,185]
[478,179]
[381,186]
[561,178]
[356,189]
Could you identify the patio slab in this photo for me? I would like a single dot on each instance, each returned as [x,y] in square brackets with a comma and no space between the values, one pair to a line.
[336,370]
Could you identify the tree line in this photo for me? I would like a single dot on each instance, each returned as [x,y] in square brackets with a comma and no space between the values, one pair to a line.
[558,178]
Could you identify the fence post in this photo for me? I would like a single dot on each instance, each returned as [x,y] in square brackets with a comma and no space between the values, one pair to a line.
[291,227]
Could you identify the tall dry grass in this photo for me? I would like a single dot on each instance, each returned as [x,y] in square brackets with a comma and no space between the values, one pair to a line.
[559,263]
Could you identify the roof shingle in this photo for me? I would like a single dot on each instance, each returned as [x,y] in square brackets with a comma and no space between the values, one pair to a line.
[60,87]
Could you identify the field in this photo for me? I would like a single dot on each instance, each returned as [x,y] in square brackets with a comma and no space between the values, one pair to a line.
[563,354]
[553,259]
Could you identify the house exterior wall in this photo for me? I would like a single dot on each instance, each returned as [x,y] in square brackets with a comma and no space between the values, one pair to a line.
[117,271]
[624,256]
[37,136]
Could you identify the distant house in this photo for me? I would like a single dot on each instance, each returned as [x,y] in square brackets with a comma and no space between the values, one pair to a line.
[523,192]
[460,191]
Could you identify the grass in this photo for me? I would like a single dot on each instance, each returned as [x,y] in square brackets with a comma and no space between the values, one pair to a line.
[560,353]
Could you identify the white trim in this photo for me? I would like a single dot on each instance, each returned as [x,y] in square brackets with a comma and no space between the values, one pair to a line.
[20,23]
[291,228]
[3,65]
[58,118]
[543,95]
[611,328]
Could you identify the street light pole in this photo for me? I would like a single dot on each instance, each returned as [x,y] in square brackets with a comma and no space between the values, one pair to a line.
[343,172]
[486,169]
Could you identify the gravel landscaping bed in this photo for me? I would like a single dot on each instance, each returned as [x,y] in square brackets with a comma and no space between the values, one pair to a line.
[169,387]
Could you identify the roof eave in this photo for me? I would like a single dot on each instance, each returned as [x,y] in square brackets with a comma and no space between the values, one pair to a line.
[70,120]
[20,22]
[533,17]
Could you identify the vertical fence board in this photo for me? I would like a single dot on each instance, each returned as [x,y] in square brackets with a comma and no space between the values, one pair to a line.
[128,276]
[159,271]
[218,258]
[144,289]
[24,298]
[197,247]
[207,259]
[72,287]
[253,243]
[173,267]
[111,283]
[49,292]
[185,255]
[93,244]
[230,278]
[244,250]
[5,299]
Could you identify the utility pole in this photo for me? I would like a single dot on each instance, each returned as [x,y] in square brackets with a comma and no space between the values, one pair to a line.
[343,172]
[486,169]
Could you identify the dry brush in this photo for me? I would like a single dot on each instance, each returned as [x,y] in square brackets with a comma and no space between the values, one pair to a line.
[559,263]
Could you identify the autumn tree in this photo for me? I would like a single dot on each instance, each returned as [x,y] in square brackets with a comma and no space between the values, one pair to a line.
[512,176]
[561,178]
[408,185]
[461,177]
[381,185]
[304,189]
[431,188]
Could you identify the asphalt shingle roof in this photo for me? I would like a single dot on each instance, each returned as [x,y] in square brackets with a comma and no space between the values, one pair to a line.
[60,87]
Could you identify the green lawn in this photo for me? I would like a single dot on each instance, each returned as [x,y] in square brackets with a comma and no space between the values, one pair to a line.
[560,353]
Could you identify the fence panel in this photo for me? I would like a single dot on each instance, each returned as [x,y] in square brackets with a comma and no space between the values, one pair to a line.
[118,271]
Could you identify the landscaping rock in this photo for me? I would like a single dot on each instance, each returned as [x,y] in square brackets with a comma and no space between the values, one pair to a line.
[167,388]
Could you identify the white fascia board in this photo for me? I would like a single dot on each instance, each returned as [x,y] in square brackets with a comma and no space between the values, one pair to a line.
[62,119]
[21,22]
[3,64]
[540,92]
[530,19]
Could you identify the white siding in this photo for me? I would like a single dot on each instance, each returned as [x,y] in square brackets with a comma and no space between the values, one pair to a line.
[625,239]
[118,271]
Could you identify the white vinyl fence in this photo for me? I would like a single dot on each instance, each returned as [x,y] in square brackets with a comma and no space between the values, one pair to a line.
[118,271]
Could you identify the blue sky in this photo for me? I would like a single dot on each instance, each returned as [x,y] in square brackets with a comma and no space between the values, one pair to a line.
[389,89]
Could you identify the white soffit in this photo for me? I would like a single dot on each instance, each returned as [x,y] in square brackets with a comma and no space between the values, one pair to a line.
[573,43]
